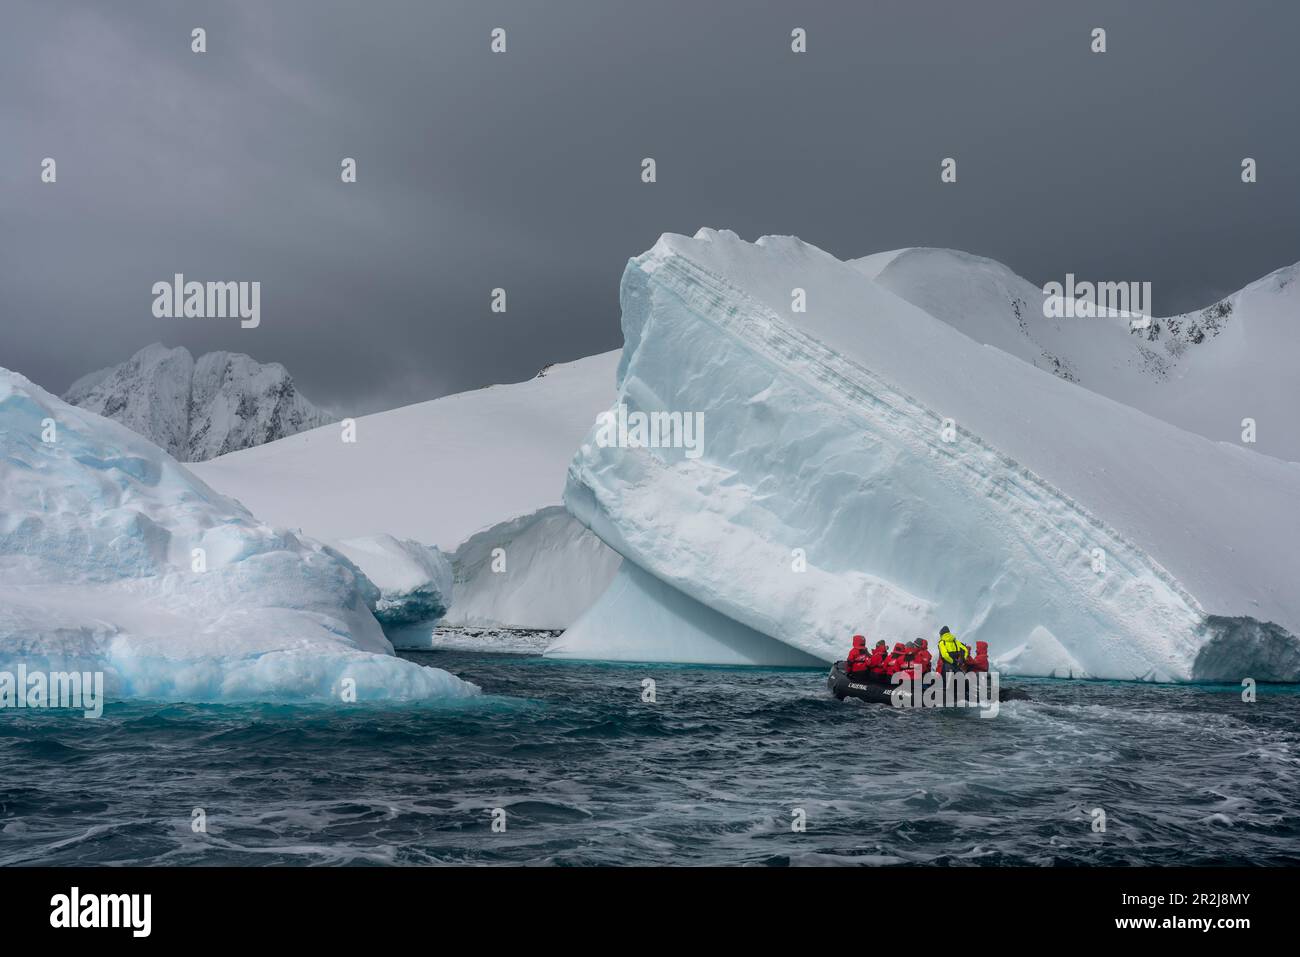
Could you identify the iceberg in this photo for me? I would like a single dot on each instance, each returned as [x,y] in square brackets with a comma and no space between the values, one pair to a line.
[867,467]
[114,558]
[414,580]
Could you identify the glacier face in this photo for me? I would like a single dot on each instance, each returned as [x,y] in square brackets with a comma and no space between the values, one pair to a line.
[867,468]
[115,558]
[196,410]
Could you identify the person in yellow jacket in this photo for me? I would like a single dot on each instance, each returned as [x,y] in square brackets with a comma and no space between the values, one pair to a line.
[952,652]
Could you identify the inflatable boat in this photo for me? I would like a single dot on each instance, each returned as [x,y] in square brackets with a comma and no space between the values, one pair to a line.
[879,690]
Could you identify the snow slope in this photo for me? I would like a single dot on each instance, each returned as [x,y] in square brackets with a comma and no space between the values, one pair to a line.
[467,473]
[114,557]
[1204,371]
[198,409]
[828,500]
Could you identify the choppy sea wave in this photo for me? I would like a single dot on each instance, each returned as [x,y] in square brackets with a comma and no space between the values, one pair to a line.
[716,770]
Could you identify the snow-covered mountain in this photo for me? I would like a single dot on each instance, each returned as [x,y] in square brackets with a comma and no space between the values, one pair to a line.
[479,475]
[868,468]
[1204,371]
[115,558]
[198,409]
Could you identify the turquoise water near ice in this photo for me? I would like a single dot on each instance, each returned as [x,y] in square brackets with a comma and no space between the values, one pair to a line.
[714,772]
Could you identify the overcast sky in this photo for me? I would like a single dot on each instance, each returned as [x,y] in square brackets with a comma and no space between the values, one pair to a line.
[522,170]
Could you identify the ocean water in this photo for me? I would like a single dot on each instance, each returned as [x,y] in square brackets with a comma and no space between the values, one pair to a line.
[717,770]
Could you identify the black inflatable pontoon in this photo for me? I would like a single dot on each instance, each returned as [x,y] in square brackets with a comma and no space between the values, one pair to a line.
[879,691]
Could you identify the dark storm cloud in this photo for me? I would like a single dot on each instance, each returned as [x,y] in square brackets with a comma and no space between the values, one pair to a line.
[522,170]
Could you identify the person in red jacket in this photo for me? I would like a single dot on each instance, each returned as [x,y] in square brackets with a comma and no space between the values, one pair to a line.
[922,655]
[980,662]
[856,663]
[897,660]
[876,663]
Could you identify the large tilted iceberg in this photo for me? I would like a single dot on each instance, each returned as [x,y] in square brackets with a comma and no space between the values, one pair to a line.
[865,467]
[115,558]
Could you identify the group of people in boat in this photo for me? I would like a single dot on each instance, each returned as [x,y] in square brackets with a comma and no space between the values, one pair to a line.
[880,664]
